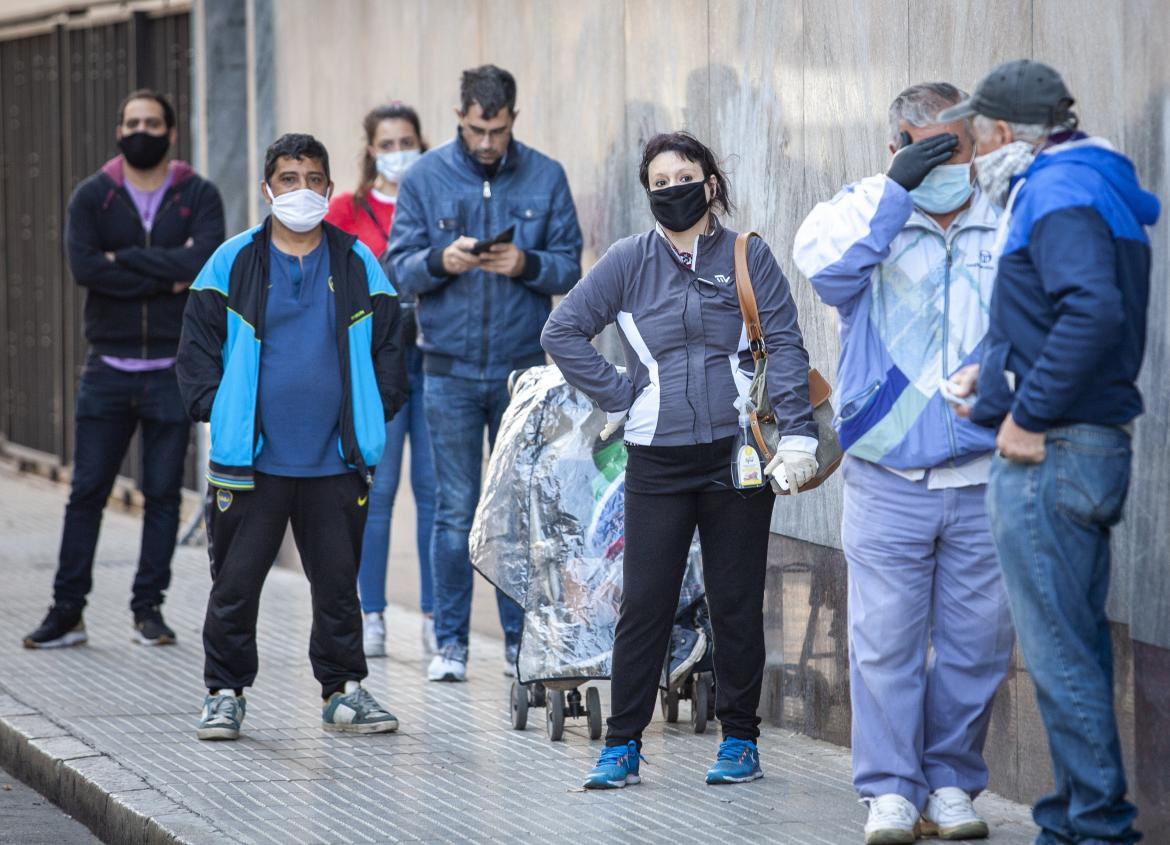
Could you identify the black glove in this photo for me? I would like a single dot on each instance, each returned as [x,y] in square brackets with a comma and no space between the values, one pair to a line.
[914,160]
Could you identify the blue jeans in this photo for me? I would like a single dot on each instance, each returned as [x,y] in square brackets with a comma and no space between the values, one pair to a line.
[410,420]
[457,411]
[111,404]
[1051,525]
[922,572]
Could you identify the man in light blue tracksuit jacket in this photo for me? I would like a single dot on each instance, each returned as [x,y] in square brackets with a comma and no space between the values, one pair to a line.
[479,315]
[906,259]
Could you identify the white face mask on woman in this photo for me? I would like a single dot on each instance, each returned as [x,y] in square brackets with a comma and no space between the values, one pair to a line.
[393,166]
[301,210]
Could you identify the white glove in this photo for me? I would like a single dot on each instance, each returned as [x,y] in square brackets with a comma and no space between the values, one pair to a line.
[790,470]
[613,421]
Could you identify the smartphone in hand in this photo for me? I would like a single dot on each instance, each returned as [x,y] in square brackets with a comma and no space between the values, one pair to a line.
[504,237]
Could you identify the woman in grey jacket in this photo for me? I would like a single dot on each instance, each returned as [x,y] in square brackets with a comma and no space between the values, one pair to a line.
[671,292]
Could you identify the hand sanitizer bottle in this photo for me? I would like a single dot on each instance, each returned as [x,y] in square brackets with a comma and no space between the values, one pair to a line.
[746,471]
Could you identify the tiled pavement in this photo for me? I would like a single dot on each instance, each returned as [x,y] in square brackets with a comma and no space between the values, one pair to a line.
[455,771]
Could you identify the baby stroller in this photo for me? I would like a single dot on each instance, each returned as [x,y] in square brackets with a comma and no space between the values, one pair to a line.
[549,533]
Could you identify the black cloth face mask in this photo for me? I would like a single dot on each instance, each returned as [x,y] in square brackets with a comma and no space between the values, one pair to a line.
[143,150]
[679,207]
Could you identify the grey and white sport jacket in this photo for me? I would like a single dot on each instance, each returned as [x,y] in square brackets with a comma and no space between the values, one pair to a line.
[687,357]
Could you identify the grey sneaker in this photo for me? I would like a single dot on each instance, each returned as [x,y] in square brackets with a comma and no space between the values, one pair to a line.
[223,713]
[511,658]
[356,711]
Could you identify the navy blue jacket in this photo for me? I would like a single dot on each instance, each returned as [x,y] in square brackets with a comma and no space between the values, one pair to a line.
[130,308]
[1068,315]
[476,324]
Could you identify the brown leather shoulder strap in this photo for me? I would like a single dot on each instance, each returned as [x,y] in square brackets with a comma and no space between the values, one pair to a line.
[818,389]
[747,297]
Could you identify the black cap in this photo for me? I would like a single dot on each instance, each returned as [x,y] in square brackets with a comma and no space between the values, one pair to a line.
[1022,91]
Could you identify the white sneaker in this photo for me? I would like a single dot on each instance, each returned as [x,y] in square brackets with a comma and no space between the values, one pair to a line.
[950,814]
[374,635]
[893,820]
[430,644]
[446,669]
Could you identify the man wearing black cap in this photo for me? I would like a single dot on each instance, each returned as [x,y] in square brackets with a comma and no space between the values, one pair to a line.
[1058,379]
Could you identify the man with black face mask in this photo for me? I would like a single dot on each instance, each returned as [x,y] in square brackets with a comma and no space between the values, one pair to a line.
[136,234]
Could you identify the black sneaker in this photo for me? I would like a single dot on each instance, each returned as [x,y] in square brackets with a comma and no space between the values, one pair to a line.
[150,628]
[63,626]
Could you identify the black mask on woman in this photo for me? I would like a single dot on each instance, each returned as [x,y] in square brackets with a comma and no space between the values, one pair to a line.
[143,150]
[679,207]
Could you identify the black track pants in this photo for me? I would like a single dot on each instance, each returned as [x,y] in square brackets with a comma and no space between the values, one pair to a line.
[245,529]
[733,534]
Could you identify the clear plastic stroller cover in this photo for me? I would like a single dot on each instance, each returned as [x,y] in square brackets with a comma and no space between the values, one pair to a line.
[549,528]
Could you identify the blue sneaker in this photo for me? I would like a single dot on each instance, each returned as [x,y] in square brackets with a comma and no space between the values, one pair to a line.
[617,766]
[738,761]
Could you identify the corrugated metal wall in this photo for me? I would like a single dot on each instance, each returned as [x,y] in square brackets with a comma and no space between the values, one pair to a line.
[59,97]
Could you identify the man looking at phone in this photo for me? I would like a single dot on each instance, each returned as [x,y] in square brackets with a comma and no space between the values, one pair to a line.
[481,307]
[906,259]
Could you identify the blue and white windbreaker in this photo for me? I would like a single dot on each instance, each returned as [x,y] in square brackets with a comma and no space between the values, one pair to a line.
[913,304]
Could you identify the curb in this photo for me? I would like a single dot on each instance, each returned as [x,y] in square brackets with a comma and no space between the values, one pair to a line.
[98,791]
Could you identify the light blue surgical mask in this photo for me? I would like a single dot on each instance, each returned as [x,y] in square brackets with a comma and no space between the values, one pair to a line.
[944,189]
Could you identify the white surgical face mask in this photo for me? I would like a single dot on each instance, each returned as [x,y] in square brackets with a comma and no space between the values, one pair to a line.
[301,210]
[393,166]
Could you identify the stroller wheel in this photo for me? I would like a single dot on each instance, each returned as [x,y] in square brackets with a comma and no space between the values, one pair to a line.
[593,712]
[700,701]
[518,701]
[669,699]
[554,721]
[539,695]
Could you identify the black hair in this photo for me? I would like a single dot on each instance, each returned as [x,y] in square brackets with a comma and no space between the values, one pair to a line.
[396,110]
[490,86]
[296,145]
[692,149]
[149,94]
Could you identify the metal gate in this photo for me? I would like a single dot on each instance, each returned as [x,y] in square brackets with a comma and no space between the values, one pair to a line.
[59,93]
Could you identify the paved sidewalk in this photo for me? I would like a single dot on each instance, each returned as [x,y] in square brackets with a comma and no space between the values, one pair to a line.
[107,730]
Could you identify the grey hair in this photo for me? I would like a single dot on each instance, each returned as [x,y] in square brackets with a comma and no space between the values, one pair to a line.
[1033,133]
[920,104]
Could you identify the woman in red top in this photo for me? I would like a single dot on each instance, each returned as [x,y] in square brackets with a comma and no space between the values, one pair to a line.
[393,142]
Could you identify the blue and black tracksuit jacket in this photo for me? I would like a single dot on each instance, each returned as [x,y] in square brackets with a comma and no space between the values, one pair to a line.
[219,354]
[1068,315]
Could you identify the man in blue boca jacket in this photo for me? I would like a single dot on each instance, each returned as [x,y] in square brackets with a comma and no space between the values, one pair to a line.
[1064,346]
[479,314]
[291,348]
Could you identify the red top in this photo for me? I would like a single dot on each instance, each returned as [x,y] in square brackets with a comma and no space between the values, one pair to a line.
[356,221]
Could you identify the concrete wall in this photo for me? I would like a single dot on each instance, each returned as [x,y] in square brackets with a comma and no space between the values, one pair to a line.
[792,93]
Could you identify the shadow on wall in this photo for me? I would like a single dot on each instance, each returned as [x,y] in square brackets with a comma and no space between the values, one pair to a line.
[620,209]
